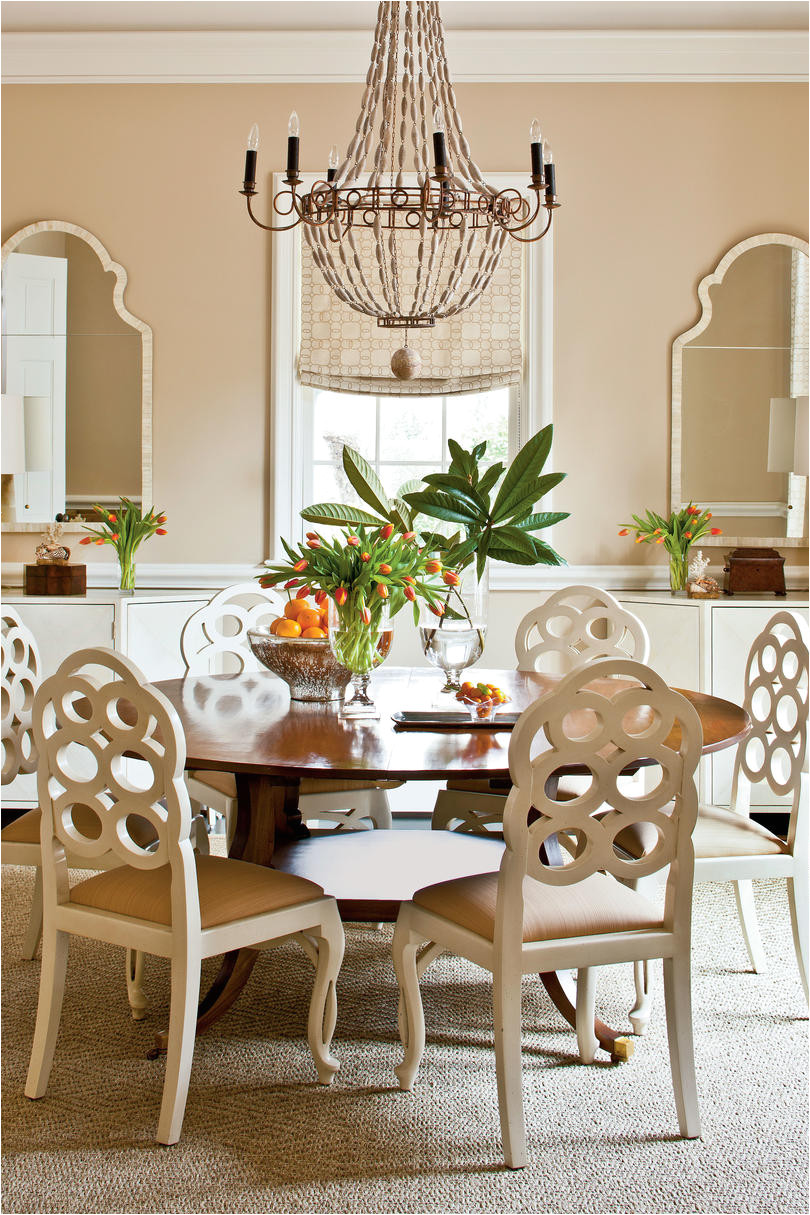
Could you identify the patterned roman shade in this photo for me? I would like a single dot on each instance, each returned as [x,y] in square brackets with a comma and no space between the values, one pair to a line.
[345,351]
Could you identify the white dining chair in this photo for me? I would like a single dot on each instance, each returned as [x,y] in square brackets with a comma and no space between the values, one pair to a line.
[574,626]
[729,845]
[535,916]
[214,640]
[90,720]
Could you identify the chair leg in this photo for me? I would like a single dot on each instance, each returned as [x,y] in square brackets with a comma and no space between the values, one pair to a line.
[185,994]
[412,1015]
[746,910]
[138,1003]
[586,1011]
[678,998]
[508,1066]
[640,1012]
[798,899]
[380,812]
[323,1004]
[34,930]
[199,835]
[49,1010]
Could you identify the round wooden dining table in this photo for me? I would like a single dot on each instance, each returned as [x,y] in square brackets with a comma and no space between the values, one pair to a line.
[247,724]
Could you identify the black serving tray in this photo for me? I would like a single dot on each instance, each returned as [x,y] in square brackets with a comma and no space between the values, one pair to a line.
[451,719]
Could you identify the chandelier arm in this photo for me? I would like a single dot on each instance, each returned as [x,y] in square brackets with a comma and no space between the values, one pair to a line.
[517,227]
[530,240]
[272,227]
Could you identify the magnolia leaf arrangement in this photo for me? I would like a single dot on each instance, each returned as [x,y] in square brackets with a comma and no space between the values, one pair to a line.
[501,527]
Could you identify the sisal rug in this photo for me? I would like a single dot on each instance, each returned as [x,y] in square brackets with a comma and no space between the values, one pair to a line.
[260,1135]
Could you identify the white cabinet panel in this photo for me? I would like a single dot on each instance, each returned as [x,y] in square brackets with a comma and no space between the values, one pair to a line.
[675,650]
[153,636]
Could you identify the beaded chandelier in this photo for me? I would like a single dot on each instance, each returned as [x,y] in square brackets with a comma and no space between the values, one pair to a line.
[406,229]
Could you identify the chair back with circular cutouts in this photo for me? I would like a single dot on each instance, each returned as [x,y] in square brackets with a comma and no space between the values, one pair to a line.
[577,625]
[218,631]
[22,672]
[614,714]
[776,693]
[112,753]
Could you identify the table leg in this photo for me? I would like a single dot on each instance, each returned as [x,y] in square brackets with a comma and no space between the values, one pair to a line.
[267,815]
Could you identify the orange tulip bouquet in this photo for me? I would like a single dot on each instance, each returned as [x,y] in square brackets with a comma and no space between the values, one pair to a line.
[124,529]
[677,534]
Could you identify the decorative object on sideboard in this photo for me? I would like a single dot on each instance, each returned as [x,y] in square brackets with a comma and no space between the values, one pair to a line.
[699,585]
[54,578]
[755,569]
[51,550]
[124,529]
[677,534]
[437,227]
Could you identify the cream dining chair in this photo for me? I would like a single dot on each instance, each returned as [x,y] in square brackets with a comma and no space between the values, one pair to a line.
[90,720]
[532,917]
[215,639]
[575,626]
[729,845]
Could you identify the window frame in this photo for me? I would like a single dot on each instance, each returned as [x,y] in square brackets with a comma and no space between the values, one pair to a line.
[288,411]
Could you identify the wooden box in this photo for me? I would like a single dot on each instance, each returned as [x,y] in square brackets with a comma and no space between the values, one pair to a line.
[755,569]
[52,579]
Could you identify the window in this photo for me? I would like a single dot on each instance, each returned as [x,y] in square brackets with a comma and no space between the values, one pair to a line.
[401,437]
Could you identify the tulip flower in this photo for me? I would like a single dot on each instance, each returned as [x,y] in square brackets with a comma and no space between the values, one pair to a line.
[86,540]
[365,615]
[320,597]
[161,518]
[688,535]
[407,578]
[385,569]
[657,531]
[300,565]
[352,541]
[341,595]
[293,582]
[312,536]
[717,531]
[159,531]
[114,519]
[101,541]
[433,566]
[661,539]
[436,608]
[409,593]
[408,535]
[387,531]
[303,592]
[449,578]
[114,536]
[708,514]
[382,590]
[266,581]
[365,556]
[625,531]
[313,544]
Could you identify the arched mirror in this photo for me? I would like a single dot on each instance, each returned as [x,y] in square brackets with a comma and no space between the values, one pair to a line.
[77,368]
[739,384]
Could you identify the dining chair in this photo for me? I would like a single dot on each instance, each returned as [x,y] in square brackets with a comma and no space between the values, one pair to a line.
[215,638]
[575,626]
[729,845]
[20,840]
[549,908]
[91,719]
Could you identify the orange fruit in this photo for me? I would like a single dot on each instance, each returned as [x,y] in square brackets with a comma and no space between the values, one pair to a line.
[295,606]
[275,624]
[309,619]
[314,632]
[288,628]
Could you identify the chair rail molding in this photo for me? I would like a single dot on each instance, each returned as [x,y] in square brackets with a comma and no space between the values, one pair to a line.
[340,56]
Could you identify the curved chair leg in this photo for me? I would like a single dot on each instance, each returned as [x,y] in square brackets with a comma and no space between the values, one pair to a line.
[323,1004]
[678,997]
[586,1012]
[640,1012]
[508,1064]
[49,1010]
[138,1003]
[34,930]
[185,994]
[380,812]
[412,1014]
[799,908]
[746,910]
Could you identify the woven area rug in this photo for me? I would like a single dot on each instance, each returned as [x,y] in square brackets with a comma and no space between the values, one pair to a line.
[260,1135]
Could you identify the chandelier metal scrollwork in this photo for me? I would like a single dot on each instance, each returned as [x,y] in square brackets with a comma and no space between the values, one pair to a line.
[418,235]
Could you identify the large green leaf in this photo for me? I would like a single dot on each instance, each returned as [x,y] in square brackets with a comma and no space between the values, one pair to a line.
[514,538]
[512,556]
[400,515]
[533,523]
[517,507]
[364,479]
[441,506]
[459,554]
[545,554]
[490,478]
[462,463]
[482,553]
[331,514]
[453,485]
[523,469]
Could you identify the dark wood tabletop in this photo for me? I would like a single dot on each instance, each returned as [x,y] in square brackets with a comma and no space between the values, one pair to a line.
[247,723]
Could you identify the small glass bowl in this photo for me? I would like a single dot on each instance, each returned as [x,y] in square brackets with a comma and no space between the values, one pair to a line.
[483,710]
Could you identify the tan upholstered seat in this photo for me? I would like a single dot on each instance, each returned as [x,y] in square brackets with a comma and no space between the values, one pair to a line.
[225,782]
[595,905]
[26,828]
[229,890]
[721,832]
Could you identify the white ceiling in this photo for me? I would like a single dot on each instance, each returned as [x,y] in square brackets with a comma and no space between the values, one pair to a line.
[117,15]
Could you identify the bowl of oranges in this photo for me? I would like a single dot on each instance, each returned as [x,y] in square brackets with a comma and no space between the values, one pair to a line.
[483,700]
[296,648]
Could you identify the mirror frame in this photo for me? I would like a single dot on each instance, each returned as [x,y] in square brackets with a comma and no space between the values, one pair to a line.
[683,339]
[60,225]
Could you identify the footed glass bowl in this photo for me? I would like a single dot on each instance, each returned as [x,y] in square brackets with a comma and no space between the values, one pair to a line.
[307,665]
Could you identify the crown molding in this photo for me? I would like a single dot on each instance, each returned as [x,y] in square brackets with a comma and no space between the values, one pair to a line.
[339,56]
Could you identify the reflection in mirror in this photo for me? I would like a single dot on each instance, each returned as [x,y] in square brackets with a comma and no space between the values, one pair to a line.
[82,365]
[749,349]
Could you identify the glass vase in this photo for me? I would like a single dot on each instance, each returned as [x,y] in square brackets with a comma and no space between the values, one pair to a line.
[126,566]
[678,572]
[360,636]
[455,640]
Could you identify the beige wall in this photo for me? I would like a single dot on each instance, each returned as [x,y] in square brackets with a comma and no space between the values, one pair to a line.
[657,181]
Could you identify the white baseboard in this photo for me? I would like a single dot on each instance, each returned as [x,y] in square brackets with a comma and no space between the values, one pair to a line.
[504,577]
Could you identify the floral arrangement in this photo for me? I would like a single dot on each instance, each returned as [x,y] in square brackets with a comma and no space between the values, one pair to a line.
[677,534]
[124,529]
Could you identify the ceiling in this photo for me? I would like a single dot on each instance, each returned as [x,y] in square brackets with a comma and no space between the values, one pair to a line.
[44,16]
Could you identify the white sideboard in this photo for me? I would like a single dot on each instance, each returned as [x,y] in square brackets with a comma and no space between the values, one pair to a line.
[146,626]
[703,645]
